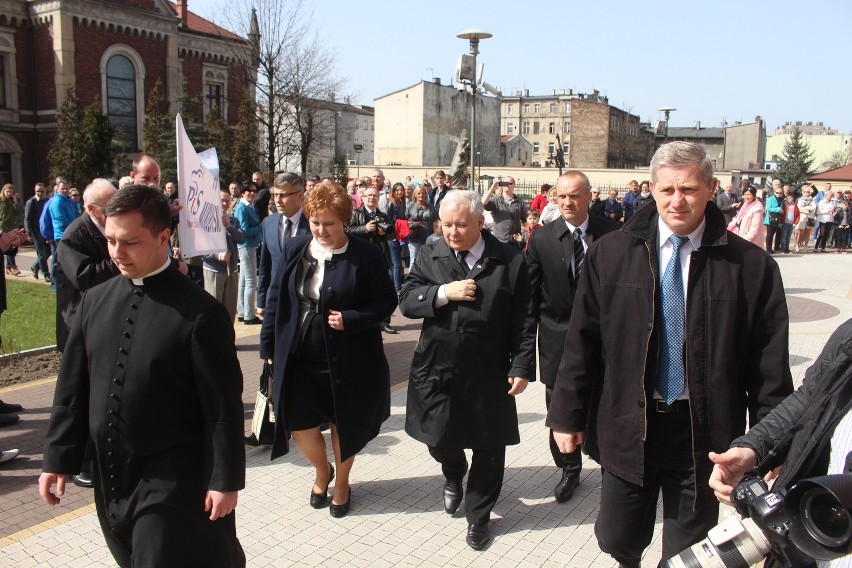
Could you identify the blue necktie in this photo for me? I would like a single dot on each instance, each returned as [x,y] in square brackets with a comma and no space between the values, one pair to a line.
[671,375]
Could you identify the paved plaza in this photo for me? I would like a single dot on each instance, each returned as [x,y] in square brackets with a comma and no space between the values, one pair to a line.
[397,517]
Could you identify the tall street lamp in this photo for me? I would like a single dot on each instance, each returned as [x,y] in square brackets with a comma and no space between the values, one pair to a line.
[474,35]
[666,111]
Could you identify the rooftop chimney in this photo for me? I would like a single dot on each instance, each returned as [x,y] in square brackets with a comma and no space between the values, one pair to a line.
[183,12]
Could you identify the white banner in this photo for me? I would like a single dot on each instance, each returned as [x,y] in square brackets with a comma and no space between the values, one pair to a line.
[200,227]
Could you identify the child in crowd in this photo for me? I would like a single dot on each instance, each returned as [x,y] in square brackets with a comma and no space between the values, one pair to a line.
[436,235]
[532,225]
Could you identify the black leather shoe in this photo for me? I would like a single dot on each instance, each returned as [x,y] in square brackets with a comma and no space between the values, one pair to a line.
[453,493]
[241,319]
[318,500]
[8,419]
[338,511]
[251,441]
[254,321]
[6,408]
[477,536]
[83,479]
[389,330]
[565,488]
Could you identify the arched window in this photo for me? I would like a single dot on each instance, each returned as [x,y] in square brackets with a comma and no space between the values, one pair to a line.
[121,97]
[123,92]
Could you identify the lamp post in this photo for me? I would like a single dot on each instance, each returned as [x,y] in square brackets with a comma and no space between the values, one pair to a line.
[666,112]
[474,35]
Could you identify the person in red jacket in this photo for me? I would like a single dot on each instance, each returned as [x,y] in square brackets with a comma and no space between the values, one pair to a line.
[539,202]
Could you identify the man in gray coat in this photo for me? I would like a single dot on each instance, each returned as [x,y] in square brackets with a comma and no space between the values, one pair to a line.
[476,353]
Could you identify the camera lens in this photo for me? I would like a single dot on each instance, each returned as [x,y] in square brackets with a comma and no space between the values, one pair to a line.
[825,518]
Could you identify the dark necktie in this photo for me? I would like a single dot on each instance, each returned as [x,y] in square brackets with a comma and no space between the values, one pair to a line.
[460,256]
[286,233]
[579,254]
[671,375]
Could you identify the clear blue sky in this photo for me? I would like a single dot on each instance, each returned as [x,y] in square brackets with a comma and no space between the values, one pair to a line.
[785,60]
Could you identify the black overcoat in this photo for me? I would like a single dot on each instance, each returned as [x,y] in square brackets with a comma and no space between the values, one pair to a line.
[457,389]
[549,255]
[736,353]
[356,283]
[150,373]
[82,262]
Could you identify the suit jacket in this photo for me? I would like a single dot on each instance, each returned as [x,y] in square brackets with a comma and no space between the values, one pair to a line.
[32,213]
[270,251]
[151,376]
[549,255]
[82,262]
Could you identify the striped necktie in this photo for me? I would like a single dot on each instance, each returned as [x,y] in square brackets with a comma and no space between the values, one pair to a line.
[579,254]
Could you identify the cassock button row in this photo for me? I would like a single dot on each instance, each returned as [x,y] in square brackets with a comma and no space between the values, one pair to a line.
[461,330]
[109,440]
[113,396]
[115,380]
[125,334]
[128,320]
[122,350]
[134,306]
[421,297]
[119,364]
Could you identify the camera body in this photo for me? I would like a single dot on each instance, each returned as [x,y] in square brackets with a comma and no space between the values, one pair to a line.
[810,521]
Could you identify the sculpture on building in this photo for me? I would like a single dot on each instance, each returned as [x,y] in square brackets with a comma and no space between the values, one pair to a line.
[461,160]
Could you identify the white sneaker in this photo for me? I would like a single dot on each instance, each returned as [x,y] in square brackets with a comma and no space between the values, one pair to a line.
[8,455]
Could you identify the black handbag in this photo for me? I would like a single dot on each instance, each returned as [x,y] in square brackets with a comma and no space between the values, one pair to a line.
[263,420]
[775,218]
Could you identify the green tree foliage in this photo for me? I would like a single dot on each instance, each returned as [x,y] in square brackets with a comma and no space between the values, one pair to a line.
[66,154]
[244,151]
[796,159]
[339,167]
[159,124]
[96,137]
[216,135]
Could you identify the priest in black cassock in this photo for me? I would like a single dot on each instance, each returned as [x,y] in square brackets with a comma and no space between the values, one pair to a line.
[151,374]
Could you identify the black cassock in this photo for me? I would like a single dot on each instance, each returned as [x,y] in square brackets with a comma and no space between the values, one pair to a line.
[151,374]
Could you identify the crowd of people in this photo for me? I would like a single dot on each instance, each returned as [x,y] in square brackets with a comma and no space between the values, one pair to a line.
[321,269]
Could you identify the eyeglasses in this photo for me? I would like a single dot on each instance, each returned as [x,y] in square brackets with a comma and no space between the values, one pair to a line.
[250,191]
[283,195]
[371,195]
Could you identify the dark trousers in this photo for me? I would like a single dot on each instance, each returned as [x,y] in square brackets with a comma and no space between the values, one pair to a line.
[824,235]
[483,483]
[625,523]
[163,537]
[42,252]
[572,463]
[773,233]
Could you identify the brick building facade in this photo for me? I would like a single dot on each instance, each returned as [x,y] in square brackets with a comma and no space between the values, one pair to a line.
[114,50]
[593,133]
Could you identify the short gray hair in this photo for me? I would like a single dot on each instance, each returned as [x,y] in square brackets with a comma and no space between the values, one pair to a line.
[124,182]
[98,192]
[292,178]
[462,197]
[680,154]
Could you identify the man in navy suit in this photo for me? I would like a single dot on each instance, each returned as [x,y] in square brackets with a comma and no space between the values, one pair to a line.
[288,191]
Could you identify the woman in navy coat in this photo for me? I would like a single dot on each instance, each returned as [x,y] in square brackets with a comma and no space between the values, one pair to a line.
[321,332]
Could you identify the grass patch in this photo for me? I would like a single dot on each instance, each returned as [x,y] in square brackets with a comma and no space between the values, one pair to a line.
[30,318]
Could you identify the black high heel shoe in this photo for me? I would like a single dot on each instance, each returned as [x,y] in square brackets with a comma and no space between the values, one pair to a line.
[318,500]
[338,511]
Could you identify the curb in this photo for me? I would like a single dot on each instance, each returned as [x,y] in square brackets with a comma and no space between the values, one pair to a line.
[27,353]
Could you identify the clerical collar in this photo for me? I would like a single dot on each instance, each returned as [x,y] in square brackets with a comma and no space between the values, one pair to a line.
[141,281]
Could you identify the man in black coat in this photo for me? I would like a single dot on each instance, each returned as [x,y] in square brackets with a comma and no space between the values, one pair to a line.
[809,434]
[166,481]
[555,258]
[476,353]
[288,192]
[373,224]
[678,329]
[82,260]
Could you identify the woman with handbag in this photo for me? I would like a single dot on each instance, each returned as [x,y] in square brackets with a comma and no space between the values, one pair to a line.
[774,218]
[322,336]
[749,220]
[10,219]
